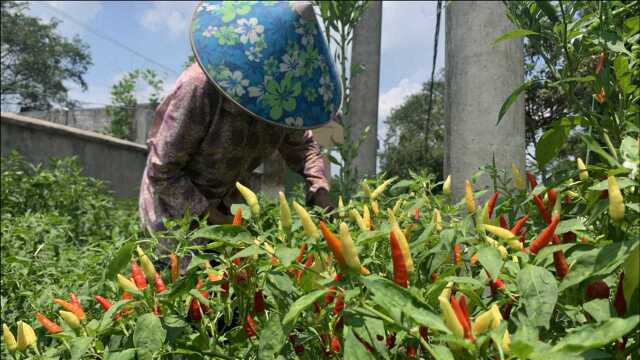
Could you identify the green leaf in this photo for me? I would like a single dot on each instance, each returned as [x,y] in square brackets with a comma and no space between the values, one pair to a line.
[120,259]
[593,145]
[623,182]
[353,349]
[539,293]
[196,294]
[248,252]
[514,34]
[128,354]
[490,259]
[512,98]
[550,145]
[624,75]
[549,10]
[183,285]
[300,305]
[395,299]
[441,352]
[570,225]
[599,309]
[79,346]
[148,336]
[271,344]
[594,336]
[107,317]
[286,255]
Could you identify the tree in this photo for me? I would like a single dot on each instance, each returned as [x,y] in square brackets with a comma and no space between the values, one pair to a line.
[37,63]
[412,143]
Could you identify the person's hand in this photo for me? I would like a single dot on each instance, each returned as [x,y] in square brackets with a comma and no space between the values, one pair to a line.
[216,217]
[322,199]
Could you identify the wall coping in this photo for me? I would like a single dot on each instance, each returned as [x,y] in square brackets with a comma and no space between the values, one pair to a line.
[51,127]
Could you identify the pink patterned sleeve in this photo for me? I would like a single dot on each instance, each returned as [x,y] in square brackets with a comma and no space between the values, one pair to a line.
[302,153]
[181,124]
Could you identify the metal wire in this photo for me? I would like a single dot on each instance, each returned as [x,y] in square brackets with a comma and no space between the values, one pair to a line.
[433,71]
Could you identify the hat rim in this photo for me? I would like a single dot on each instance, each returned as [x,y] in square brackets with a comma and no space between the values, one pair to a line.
[230,98]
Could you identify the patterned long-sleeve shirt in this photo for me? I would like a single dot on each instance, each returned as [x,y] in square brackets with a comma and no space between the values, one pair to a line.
[201,143]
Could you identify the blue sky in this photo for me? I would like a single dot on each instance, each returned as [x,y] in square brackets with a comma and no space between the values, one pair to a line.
[158,30]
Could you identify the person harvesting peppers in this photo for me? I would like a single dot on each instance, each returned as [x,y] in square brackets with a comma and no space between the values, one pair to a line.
[230,111]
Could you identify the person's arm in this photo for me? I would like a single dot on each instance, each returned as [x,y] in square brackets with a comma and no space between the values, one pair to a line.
[302,154]
[186,117]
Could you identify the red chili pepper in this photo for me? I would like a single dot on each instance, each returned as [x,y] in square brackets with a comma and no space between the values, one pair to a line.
[205,294]
[335,344]
[496,285]
[75,309]
[400,274]
[159,284]
[569,237]
[47,324]
[225,288]
[412,351]
[194,310]
[541,208]
[258,303]
[532,180]
[598,290]
[106,305]
[560,262]
[298,348]
[391,340]
[517,227]
[250,327]
[457,257]
[463,306]
[301,254]
[506,310]
[424,332]
[138,275]
[174,267]
[74,300]
[503,222]
[237,218]
[545,236]
[604,194]
[600,64]
[464,321]
[434,277]
[619,303]
[492,203]
[237,261]
[417,214]
[328,297]
[156,309]
[523,236]
[551,197]
[339,306]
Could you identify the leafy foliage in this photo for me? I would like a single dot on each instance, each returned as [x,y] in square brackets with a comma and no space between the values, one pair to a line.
[37,62]
[405,147]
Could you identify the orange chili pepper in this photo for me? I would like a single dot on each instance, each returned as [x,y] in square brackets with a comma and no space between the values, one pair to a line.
[400,273]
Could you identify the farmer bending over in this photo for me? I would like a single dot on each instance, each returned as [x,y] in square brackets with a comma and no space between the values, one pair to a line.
[263,77]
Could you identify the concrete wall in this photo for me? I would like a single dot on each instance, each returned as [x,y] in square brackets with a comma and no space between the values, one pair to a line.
[479,78]
[117,162]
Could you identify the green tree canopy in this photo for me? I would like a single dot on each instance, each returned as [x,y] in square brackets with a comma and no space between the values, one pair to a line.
[405,146]
[37,62]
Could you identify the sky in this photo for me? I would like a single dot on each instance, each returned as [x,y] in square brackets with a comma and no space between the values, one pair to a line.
[128,35]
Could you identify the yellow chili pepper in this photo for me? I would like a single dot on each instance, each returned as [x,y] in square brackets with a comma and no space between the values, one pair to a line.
[350,251]
[488,320]
[250,197]
[70,319]
[9,339]
[358,219]
[448,315]
[446,187]
[506,341]
[397,206]
[616,201]
[375,207]
[341,211]
[437,220]
[468,196]
[584,173]
[285,212]
[26,336]
[147,265]
[365,188]
[518,180]
[127,285]
[307,224]
[380,189]
[366,217]
[502,233]
[503,251]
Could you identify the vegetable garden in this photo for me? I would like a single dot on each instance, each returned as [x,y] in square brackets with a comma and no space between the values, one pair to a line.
[543,268]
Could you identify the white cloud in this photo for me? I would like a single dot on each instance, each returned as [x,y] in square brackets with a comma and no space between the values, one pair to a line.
[408,24]
[170,16]
[83,11]
[395,96]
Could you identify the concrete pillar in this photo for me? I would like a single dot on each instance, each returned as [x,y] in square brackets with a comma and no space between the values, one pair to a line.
[364,87]
[479,78]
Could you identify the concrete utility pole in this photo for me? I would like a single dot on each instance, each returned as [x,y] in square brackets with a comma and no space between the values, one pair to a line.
[364,87]
[479,78]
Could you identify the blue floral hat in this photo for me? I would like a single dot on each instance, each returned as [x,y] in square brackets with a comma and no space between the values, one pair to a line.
[269,57]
